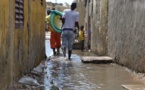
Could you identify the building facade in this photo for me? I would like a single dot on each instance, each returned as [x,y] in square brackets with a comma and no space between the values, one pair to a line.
[22,38]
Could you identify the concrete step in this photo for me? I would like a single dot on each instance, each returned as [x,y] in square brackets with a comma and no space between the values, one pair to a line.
[134,87]
[97,59]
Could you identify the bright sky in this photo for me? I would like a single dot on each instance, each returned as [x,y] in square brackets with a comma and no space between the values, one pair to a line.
[61,1]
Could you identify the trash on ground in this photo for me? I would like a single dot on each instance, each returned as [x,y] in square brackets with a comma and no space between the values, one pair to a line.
[28,81]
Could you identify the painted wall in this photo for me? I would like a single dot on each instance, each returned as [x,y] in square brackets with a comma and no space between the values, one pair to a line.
[4,44]
[21,49]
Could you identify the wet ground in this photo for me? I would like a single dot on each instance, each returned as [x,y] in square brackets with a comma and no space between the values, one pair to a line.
[75,75]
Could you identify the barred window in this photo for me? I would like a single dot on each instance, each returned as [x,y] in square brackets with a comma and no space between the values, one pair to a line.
[19,13]
[42,2]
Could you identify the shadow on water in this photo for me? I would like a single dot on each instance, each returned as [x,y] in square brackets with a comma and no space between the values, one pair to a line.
[75,75]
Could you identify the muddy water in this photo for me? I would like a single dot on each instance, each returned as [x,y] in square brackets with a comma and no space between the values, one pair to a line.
[75,75]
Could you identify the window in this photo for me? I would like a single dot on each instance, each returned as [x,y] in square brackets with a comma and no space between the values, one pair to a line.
[19,13]
[42,2]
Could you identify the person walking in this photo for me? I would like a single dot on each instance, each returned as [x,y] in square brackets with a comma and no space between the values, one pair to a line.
[82,37]
[70,20]
[55,38]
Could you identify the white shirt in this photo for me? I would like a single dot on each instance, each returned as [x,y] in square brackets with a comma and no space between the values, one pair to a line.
[70,16]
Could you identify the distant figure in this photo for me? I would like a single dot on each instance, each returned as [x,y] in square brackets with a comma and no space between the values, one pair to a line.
[82,37]
[55,38]
[70,20]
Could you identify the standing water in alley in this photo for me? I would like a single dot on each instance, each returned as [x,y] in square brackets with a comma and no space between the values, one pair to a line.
[75,75]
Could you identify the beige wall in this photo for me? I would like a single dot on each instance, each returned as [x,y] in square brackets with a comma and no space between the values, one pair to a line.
[81,10]
[118,31]
[126,34]
[98,14]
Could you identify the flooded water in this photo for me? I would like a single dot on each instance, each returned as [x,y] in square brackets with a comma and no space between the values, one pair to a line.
[75,75]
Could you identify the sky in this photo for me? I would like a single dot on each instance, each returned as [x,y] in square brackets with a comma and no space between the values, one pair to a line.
[61,1]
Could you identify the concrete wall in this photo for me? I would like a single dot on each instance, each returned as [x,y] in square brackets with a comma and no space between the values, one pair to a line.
[126,34]
[117,28]
[99,26]
[21,49]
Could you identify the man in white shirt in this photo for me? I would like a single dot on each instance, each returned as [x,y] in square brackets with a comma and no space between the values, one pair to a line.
[70,20]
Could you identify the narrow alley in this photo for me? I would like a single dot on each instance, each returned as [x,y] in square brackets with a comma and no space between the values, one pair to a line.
[104,41]
[75,75]
[56,73]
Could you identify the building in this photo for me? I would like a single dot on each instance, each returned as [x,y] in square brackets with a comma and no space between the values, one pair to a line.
[57,6]
[117,30]
[22,38]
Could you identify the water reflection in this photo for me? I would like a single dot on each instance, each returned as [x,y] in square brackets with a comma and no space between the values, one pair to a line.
[66,76]
[74,75]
